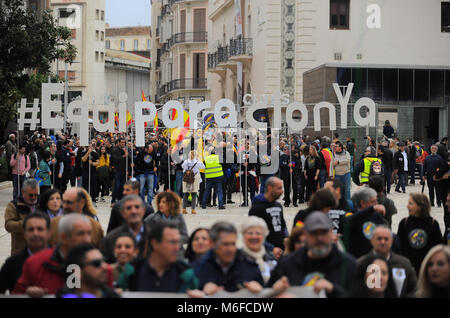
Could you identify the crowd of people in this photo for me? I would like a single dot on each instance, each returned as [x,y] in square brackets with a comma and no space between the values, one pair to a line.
[339,243]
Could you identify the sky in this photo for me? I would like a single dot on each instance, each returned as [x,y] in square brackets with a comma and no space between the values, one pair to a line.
[120,13]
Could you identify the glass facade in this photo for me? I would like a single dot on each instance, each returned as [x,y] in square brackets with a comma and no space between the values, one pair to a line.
[398,86]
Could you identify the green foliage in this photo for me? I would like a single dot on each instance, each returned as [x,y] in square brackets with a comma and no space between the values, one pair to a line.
[28,45]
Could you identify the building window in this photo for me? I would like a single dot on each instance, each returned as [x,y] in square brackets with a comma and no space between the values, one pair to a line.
[122,45]
[97,14]
[97,35]
[102,36]
[103,16]
[66,13]
[445,20]
[148,44]
[136,45]
[339,14]
[96,56]
[108,44]
[102,55]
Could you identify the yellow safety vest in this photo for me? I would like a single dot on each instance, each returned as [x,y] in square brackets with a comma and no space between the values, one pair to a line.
[213,168]
[367,164]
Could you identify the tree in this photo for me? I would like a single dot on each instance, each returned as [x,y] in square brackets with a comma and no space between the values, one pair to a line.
[28,45]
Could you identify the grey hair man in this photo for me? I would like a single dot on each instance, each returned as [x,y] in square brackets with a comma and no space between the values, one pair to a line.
[16,211]
[404,275]
[362,223]
[132,210]
[225,267]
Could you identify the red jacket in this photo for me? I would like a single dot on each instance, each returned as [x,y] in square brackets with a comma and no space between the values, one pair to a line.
[42,270]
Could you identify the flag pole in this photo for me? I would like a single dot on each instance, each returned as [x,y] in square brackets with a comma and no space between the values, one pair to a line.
[168,157]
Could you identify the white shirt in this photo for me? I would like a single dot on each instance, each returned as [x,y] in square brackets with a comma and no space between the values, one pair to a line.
[405,161]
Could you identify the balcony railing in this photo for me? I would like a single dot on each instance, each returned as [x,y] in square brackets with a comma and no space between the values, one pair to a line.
[188,83]
[165,48]
[213,59]
[188,37]
[183,83]
[241,46]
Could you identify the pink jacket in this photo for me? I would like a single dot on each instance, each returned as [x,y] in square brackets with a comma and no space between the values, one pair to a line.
[15,164]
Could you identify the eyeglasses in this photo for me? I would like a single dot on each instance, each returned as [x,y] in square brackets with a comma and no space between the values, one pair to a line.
[68,202]
[97,263]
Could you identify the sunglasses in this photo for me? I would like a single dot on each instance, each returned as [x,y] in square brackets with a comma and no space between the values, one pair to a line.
[97,263]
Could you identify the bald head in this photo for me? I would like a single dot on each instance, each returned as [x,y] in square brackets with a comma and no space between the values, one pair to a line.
[273,189]
[73,200]
[382,240]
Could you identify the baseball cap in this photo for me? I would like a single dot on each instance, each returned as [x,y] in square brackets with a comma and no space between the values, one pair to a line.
[317,221]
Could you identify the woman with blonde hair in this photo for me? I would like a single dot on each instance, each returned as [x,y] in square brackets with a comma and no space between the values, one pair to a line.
[191,180]
[311,172]
[434,275]
[168,205]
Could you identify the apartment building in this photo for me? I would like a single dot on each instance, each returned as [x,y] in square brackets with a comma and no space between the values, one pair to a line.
[86,19]
[179,69]
[396,53]
[130,39]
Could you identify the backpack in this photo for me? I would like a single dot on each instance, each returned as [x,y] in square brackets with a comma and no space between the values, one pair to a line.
[376,169]
[189,175]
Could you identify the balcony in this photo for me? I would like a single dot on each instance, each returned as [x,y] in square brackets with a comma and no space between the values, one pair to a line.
[213,61]
[241,50]
[188,37]
[188,83]
[183,84]
[165,48]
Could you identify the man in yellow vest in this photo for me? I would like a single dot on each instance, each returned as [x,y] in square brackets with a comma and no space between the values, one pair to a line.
[362,168]
[214,178]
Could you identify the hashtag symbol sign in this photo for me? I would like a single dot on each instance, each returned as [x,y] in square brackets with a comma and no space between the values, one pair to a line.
[34,114]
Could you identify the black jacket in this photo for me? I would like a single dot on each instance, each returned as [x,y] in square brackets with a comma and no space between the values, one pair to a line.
[417,236]
[358,230]
[118,161]
[116,219]
[431,165]
[242,270]
[337,268]
[11,271]
[388,159]
[399,162]
[272,213]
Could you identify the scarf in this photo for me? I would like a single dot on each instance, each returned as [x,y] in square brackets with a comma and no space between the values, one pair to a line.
[259,259]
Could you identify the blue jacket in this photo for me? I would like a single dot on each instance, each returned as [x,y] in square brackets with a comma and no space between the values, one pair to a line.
[431,164]
[242,270]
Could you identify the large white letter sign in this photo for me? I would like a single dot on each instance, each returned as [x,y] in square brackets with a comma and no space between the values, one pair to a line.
[49,106]
[82,119]
[297,126]
[251,119]
[231,120]
[332,112]
[123,112]
[343,101]
[170,123]
[109,126]
[140,120]
[370,118]
[195,108]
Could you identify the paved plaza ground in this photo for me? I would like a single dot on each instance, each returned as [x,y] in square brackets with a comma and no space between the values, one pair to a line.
[205,218]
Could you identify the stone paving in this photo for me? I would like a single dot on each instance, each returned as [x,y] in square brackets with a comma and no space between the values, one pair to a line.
[205,218]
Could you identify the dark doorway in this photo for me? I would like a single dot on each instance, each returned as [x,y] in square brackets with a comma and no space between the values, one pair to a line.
[426,125]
